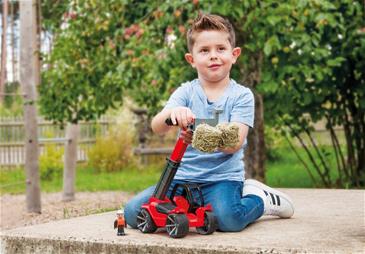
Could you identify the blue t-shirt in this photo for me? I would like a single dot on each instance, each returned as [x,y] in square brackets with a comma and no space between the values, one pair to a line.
[237,103]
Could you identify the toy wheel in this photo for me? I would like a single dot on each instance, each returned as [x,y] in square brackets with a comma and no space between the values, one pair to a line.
[145,222]
[210,224]
[177,225]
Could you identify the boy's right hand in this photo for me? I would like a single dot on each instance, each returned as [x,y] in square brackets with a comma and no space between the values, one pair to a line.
[182,116]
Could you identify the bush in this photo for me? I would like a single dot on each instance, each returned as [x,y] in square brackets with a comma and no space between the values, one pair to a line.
[50,162]
[273,141]
[114,151]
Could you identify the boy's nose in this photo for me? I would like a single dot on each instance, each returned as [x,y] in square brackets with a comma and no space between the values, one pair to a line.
[213,55]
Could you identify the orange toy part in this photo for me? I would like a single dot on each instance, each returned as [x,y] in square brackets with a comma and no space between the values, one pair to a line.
[121,221]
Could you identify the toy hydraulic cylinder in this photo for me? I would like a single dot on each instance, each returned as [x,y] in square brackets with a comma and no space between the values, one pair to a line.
[170,170]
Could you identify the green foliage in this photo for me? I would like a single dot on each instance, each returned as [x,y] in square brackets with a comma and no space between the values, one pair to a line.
[50,162]
[273,141]
[54,12]
[114,151]
[314,61]
[311,67]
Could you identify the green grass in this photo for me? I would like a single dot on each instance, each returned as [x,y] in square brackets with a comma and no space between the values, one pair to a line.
[12,181]
[288,171]
[283,171]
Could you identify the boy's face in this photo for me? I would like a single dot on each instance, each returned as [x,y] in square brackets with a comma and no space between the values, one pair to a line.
[212,55]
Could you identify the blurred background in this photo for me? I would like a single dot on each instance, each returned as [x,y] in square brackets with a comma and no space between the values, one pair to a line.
[108,66]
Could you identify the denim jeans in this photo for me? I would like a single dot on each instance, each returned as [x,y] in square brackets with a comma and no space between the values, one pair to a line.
[233,211]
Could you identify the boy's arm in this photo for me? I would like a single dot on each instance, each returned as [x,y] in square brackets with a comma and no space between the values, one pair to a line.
[158,124]
[243,131]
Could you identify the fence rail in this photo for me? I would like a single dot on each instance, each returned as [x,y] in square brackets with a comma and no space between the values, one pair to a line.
[12,136]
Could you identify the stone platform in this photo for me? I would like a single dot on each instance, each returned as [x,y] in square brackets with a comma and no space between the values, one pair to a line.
[325,221]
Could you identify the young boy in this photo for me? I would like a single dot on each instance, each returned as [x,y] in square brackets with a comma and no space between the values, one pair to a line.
[236,202]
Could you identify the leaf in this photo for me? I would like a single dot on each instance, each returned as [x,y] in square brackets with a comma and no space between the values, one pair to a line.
[335,62]
[271,44]
[267,49]
[273,20]
[270,86]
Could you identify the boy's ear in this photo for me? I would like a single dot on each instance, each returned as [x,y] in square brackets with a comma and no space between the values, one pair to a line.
[190,59]
[236,52]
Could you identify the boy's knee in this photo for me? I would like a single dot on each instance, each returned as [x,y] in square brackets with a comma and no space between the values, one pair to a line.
[228,221]
[132,208]
[130,214]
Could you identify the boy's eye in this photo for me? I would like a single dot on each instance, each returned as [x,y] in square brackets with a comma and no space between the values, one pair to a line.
[221,48]
[204,50]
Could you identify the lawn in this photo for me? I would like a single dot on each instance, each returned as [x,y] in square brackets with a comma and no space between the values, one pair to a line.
[283,171]
[12,181]
[287,171]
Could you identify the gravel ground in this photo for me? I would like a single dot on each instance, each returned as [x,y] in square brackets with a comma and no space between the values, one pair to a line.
[13,207]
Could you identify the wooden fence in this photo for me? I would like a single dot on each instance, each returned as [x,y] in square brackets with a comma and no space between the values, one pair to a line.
[12,136]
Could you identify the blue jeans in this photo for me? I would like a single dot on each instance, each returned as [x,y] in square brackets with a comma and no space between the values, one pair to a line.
[233,211]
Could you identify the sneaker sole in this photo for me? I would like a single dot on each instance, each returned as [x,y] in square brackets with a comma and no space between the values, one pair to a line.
[273,191]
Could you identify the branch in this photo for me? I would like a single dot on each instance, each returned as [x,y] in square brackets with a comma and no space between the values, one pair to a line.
[340,160]
[320,156]
[302,161]
[350,148]
[361,149]
[310,156]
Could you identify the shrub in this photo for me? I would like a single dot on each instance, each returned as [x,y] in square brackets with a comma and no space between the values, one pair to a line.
[50,162]
[273,141]
[114,151]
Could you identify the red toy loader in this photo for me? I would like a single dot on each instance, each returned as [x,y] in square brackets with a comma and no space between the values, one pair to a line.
[177,213]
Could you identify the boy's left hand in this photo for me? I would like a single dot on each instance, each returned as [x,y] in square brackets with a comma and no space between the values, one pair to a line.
[187,136]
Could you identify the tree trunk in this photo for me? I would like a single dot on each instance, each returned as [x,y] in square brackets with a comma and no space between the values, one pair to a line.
[37,6]
[29,76]
[72,133]
[255,153]
[13,43]
[3,50]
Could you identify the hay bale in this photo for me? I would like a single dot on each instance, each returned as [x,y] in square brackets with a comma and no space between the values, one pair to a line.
[230,137]
[206,138]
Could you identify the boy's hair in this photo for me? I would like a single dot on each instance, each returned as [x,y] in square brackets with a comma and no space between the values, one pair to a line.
[210,22]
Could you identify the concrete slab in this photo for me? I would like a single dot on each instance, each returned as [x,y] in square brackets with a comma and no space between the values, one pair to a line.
[325,221]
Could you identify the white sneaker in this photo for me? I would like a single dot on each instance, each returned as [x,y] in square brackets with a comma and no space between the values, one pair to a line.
[275,202]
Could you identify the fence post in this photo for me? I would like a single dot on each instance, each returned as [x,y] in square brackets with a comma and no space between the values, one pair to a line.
[69,170]
[29,78]
[142,128]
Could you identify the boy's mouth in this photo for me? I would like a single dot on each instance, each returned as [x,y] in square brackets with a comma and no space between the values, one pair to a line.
[214,66]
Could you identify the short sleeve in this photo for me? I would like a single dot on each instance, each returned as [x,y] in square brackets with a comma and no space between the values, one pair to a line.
[244,108]
[179,98]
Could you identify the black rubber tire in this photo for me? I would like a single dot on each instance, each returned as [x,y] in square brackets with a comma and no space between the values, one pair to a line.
[210,224]
[177,225]
[145,222]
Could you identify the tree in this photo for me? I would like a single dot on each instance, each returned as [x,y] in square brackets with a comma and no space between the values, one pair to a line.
[313,69]
[13,41]
[3,49]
